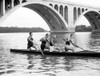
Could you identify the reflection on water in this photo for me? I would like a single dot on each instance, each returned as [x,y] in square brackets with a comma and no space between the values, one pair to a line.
[28,65]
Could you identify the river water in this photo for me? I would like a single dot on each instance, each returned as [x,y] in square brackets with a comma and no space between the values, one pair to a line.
[15,64]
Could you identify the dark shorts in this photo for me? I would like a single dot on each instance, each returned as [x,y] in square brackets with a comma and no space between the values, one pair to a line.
[43,46]
[66,49]
[29,45]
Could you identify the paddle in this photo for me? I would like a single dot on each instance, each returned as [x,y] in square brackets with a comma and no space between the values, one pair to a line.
[84,49]
[74,43]
[39,48]
[81,48]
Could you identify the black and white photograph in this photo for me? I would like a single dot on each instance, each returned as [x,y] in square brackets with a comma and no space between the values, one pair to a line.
[49,37]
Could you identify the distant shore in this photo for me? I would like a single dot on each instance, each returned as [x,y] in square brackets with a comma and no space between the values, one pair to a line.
[83,28]
[20,29]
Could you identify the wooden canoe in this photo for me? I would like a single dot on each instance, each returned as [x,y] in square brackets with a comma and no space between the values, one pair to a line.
[81,53]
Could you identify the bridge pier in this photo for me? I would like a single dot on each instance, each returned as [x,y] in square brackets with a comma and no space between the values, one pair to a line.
[71,25]
[20,1]
[12,3]
[2,9]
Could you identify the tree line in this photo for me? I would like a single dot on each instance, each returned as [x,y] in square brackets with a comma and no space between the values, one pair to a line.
[21,29]
[83,28]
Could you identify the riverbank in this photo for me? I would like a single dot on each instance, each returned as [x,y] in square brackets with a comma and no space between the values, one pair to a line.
[20,29]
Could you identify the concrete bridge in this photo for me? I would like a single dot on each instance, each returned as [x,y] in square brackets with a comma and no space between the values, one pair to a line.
[60,16]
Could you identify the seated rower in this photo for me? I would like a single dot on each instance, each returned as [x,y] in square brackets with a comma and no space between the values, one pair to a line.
[31,42]
[69,45]
[53,41]
[53,44]
[45,42]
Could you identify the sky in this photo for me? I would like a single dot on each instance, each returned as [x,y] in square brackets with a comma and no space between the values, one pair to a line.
[24,17]
[94,3]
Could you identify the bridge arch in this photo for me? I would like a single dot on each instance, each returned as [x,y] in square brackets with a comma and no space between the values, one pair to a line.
[75,14]
[54,20]
[93,18]
[82,10]
[56,7]
[16,2]
[61,10]
[79,11]
[66,13]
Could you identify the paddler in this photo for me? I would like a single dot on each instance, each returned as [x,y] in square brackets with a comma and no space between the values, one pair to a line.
[45,42]
[31,42]
[69,45]
[53,43]
[53,40]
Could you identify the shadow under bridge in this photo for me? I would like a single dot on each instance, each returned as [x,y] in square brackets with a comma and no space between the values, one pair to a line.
[54,21]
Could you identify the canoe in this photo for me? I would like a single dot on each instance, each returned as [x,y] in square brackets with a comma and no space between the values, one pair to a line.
[85,53]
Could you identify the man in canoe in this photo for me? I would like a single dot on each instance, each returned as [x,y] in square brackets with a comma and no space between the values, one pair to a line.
[69,45]
[49,43]
[53,40]
[31,42]
[53,44]
[45,42]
